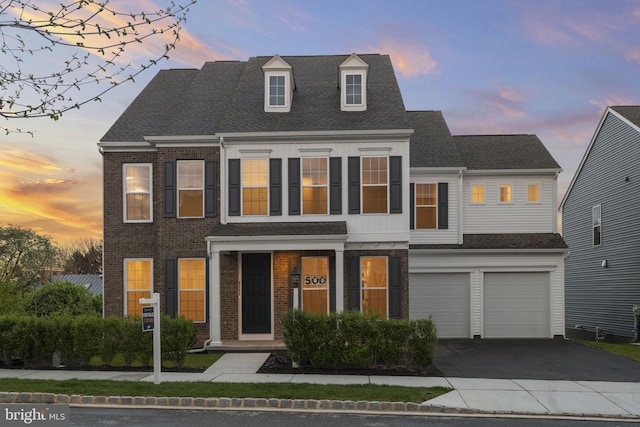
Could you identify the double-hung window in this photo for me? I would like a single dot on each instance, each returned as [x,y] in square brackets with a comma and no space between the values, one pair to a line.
[190,188]
[137,193]
[138,283]
[315,179]
[375,188]
[277,94]
[374,284]
[597,225]
[191,286]
[255,186]
[426,206]
[353,87]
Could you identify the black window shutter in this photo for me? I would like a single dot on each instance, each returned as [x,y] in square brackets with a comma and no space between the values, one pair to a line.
[395,288]
[335,185]
[395,180]
[332,284]
[170,204]
[412,202]
[294,186]
[210,182]
[275,187]
[354,184]
[234,187]
[171,286]
[353,290]
[443,205]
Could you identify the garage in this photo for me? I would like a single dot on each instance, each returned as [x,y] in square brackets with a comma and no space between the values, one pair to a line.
[516,305]
[445,297]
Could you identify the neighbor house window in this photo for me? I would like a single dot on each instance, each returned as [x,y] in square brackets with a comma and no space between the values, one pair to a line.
[138,283]
[191,286]
[533,193]
[190,188]
[353,87]
[426,205]
[314,186]
[477,193]
[315,284]
[277,91]
[137,193]
[255,186]
[506,195]
[374,285]
[375,177]
[597,225]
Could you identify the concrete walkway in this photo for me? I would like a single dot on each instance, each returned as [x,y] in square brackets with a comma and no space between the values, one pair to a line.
[519,396]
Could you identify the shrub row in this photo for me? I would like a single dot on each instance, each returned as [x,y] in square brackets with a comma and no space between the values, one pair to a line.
[33,340]
[356,340]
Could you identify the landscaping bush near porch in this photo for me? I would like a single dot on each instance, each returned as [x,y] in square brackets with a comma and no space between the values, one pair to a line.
[356,340]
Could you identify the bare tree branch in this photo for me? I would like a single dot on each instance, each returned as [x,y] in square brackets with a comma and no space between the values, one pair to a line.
[93,44]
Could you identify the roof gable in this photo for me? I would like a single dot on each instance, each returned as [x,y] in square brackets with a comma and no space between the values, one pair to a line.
[431,143]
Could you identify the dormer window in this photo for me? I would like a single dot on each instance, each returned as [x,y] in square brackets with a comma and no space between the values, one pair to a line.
[353,84]
[278,85]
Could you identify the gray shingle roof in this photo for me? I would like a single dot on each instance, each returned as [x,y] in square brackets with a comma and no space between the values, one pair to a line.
[431,142]
[504,241]
[504,152]
[330,228]
[631,112]
[92,282]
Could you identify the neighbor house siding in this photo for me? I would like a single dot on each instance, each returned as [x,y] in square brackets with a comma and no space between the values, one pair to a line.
[597,296]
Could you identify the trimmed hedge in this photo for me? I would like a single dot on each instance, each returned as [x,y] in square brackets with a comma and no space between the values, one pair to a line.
[32,340]
[356,340]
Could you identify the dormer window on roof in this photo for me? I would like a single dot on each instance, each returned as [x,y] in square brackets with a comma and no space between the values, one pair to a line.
[353,84]
[278,85]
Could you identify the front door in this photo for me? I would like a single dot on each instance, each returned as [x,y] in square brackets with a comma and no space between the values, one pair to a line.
[256,293]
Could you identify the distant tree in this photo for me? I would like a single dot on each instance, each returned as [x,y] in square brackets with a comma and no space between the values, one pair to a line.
[61,298]
[83,257]
[87,38]
[23,256]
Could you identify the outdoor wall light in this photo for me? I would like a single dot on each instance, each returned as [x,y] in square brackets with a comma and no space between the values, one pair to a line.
[294,278]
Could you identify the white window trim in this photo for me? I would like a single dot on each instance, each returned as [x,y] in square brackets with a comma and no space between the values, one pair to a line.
[188,189]
[242,187]
[124,281]
[302,186]
[362,185]
[415,205]
[534,202]
[287,89]
[505,184]
[593,226]
[204,288]
[484,194]
[343,93]
[362,288]
[327,288]
[124,193]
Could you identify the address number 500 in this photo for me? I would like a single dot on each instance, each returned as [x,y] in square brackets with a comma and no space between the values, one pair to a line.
[315,280]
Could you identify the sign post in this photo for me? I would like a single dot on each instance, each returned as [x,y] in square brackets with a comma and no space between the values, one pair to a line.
[151,322]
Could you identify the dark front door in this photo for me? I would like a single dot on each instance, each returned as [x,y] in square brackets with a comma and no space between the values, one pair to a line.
[256,293]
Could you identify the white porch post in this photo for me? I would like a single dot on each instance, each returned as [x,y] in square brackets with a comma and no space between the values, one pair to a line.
[339,280]
[214,298]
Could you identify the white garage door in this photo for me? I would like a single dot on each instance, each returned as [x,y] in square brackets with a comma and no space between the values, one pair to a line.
[516,305]
[445,296]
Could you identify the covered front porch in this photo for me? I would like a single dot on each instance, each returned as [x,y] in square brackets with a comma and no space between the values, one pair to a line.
[250,278]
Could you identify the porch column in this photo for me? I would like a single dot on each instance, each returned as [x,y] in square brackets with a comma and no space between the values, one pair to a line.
[339,280]
[214,298]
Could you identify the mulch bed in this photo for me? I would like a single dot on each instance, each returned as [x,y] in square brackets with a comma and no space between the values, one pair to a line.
[279,363]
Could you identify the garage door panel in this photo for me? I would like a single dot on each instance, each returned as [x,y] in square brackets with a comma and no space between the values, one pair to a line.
[445,297]
[516,305]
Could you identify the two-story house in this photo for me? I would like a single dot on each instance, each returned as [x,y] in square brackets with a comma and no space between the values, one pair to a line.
[226,185]
[598,213]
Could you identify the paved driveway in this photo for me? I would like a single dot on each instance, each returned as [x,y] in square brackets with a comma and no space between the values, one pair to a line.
[531,359]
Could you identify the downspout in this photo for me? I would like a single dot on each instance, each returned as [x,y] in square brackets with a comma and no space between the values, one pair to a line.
[555,198]
[460,209]
[223,182]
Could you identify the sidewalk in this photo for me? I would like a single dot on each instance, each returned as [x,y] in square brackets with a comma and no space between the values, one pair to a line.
[540,397]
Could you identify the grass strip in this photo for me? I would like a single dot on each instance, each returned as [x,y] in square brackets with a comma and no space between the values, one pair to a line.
[192,361]
[368,392]
[629,351]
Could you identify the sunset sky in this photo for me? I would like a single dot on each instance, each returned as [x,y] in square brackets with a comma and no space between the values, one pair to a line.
[548,67]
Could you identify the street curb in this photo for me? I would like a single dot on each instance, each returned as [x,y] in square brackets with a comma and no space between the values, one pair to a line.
[227,403]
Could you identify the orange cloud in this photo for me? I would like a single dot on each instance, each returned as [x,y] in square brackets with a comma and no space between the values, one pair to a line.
[408,59]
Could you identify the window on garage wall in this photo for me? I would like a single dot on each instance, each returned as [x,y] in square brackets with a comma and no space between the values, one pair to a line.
[426,206]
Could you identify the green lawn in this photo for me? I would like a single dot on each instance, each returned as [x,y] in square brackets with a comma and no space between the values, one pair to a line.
[234,390]
[199,361]
[630,351]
